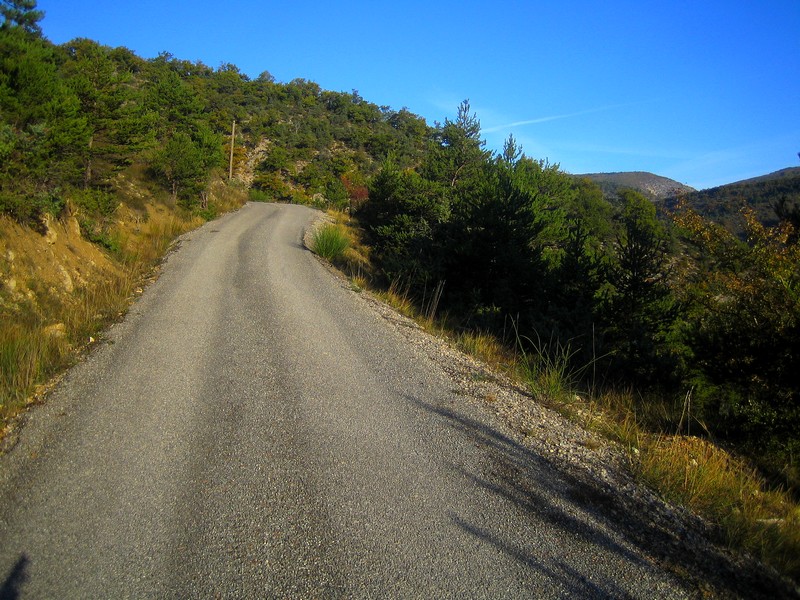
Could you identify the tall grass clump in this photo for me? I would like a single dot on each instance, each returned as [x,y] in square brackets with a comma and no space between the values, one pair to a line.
[330,242]
[615,415]
[549,371]
[98,305]
[397,297]
[485,347]
[28,354]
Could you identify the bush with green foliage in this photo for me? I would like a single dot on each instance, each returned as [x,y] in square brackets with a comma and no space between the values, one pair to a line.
[742,325]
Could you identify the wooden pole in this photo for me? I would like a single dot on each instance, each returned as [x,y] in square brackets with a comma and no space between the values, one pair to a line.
[233,137]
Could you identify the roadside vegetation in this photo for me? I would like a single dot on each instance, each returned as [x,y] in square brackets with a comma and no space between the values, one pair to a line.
[669,448]
[672,335]
[330,241]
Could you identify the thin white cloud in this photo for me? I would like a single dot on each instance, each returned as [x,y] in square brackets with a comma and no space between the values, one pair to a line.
[553,118]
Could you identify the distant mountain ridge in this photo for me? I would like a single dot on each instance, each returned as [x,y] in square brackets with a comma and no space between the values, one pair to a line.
[788,173]
[655,187]
[721,204]
[761,194]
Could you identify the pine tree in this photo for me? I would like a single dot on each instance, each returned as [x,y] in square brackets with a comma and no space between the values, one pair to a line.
[23,14]
[639,309]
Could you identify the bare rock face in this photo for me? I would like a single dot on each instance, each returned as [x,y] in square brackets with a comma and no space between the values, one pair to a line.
[51,235]
[254,157]
[655,187]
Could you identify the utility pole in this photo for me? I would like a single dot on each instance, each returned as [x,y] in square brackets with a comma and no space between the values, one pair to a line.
[233,137]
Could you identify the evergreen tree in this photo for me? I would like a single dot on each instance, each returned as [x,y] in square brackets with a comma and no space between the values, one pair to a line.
[640,308]
[405,214]
[185,163]
[458,153]
[22,14]
[103,94]
[43,129]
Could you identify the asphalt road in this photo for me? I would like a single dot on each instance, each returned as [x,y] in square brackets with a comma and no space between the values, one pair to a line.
[253,429]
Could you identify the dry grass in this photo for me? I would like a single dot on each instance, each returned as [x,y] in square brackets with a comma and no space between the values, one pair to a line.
[397,297]
[487,348]
[26,356]
[724,489]
[730,493]
[354,260]
[148,242]
[614,415]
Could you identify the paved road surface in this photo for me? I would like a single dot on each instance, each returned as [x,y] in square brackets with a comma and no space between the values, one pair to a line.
[255,430]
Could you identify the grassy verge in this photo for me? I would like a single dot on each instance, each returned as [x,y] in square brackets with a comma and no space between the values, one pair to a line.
[339,241]
[751,515]
[728,492]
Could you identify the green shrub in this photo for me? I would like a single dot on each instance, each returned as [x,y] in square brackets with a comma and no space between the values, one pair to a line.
[96,202]
[256,195]
[30,210]
[330,241]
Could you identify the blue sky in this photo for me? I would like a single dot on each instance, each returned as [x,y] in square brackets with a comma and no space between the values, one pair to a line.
[704,92]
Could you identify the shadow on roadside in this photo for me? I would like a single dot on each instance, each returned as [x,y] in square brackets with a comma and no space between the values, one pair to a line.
[12,585]
[590,514]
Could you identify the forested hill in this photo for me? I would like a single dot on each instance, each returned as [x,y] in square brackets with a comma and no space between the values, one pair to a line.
[73,117]
[772,197]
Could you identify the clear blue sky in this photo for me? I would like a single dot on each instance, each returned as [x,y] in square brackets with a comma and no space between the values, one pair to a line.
[703,91]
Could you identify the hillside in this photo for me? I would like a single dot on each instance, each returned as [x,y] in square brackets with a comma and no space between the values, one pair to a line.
[721,204]
[788,173]
[761,194]
[655,187]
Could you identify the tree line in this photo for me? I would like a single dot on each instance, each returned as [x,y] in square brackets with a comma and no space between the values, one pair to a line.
[677,308]
[73,116]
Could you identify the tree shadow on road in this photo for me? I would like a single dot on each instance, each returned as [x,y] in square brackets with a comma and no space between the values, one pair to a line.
[572,583]
[587,510]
